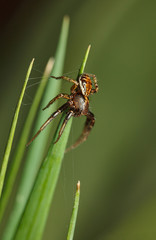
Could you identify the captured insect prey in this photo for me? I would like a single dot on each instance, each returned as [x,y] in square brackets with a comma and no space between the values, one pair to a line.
[76,106]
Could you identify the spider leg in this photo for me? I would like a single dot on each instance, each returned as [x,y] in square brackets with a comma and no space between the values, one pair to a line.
[68,116]
[61,95]
[67,79]
[95,83]
[87,128]
[73,88]
[54,115]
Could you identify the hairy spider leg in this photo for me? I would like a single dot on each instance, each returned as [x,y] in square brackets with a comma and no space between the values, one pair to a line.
[67,79]
[87,128]
[54,115]
[95,83]
[68,116]
[61,95]
[73,88]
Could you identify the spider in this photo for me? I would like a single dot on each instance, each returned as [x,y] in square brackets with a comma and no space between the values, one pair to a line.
[76,106]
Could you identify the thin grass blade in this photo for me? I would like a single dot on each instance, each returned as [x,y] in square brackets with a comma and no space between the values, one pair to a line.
[12,131]
[74,213]
[81,71]
[24,139]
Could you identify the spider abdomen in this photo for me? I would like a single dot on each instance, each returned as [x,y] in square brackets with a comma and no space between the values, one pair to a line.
[80,104]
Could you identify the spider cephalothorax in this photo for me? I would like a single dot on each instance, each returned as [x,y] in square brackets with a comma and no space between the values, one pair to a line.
[77,105]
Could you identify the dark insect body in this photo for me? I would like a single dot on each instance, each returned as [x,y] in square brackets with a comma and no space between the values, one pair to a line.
[76,106]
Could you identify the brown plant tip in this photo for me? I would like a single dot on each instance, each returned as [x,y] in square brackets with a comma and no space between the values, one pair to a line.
[89,46]
[78,186]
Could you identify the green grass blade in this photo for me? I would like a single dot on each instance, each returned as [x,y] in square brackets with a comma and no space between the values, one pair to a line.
[36,212]
[37,148]
[24,139]
[74,213]
[84,61]
[12,131]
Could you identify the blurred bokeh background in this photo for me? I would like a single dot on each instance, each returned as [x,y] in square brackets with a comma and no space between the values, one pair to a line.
[117,164]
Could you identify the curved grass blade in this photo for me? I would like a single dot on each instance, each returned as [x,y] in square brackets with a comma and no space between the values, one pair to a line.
[23,139]
[36,150]
[74,213]
[35,215]
[12,131]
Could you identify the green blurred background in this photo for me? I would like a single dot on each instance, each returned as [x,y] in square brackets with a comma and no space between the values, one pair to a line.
[116,166]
